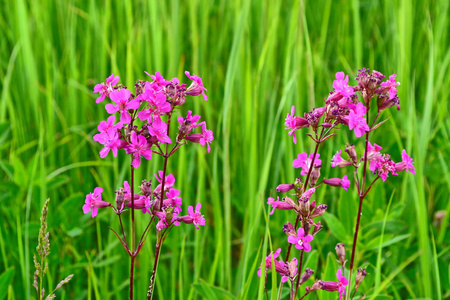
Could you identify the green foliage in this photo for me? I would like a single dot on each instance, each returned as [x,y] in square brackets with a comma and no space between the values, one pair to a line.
[257,59]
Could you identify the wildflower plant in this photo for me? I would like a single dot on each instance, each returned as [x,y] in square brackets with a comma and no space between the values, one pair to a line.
[139,124]
[357,107]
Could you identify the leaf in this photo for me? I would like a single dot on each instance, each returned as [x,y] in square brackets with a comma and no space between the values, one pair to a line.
[209,291]
[388,240]
[5,280]
[336,227]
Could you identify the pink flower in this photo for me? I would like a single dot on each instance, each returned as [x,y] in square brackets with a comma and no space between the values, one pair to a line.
[206,138]
[158,81]
[272,256]
[110,140]
[390,86]
[278,204]
[121,97]
[341,85]
[196,88]
[382,165]
[344,182]
[338,161]
[357,121]
[305,162]
[332,286]
[194,216]
[109,123]
[295,123]
[138,147]
[94,201]
[106,89]
[158,129]
[406,164]
[192,119]
[308,193]
[172,198]
[301,241]
[169,181]
[373,151]
[342,283]
[158,105]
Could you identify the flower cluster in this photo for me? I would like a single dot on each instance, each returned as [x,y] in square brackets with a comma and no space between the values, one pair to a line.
[346,105]
[140,125]
[154,100]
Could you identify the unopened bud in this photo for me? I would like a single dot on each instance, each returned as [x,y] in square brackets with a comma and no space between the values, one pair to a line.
[298,182]
[291,203]
[146,187]
[360,277]
[319,211]
[316,286]
[284,188]
[350,149]
[315,174]
[119,200]
[169,214]
[312,205]
[304,207]
[340,252]
[289,229]
[306,275]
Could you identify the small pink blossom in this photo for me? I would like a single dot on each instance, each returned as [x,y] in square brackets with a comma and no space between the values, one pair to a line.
[192,119]
[338,161]
[341,85]
[172,198]
[138,147]
[158,129]
[206,137]
[110,140]
[158,81]
[301,241]
[406,164]
[106,89]
[382,166]
[295,123]
[305,162]
[196,88]
[158,105]
[272,256]
[194,217]
[94,201]
[342,283]
[278,204]
[344,182]
[390,86]
[357,121]
[104,126]
[169,181]
[121,97]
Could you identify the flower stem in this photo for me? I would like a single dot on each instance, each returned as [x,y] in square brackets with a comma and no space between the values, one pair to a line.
[155,267]
[362,194]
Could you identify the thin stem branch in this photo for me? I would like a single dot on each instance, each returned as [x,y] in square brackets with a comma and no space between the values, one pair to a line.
[299,271]
[155,267]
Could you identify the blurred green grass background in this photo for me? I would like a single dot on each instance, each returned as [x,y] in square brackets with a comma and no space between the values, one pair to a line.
[257,58]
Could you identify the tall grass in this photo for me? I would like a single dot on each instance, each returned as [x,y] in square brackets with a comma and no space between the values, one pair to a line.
[256,59]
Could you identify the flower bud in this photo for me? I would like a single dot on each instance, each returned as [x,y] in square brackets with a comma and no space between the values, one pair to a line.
[146,187]
[329,286]
[283,188]
[298,182]
[312,205]
[291,202]
[360,277]
[306,275]
[140,87]
[340,252]
[319,211]
[169,214]
[315,174]
[119,200]
[289,229]
[316,286]
[304,206]
[195,137]
[350,149]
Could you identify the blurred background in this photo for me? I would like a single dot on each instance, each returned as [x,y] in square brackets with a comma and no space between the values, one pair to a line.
[257,59]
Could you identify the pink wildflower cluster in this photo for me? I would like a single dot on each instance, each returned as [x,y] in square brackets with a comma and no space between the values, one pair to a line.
[346,105]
